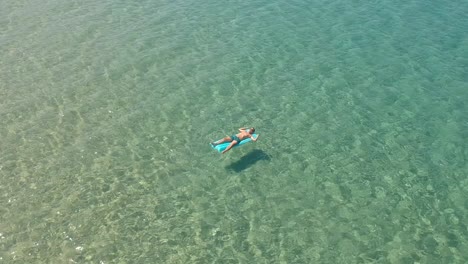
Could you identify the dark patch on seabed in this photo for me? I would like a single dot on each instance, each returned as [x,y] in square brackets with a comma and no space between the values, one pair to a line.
[248,160]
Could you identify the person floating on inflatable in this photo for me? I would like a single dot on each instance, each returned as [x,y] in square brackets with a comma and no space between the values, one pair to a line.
[245,135]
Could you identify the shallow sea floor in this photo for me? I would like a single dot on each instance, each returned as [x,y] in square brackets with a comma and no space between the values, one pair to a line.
[107,109]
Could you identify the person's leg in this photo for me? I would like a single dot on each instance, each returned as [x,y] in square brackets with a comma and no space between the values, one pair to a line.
[234,142]
[225,139]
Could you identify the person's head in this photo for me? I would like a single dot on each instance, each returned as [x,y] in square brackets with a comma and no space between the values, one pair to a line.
[251,130]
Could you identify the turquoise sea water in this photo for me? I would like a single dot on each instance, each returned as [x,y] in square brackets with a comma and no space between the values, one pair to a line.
[107,108]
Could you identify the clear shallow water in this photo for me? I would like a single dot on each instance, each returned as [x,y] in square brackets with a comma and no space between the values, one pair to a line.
[107,110]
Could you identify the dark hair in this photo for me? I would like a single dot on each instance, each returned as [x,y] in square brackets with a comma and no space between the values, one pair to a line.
[252,129]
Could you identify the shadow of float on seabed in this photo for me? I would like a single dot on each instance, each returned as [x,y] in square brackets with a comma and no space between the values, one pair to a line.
[248,160]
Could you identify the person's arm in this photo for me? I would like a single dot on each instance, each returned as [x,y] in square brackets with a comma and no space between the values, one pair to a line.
[243,129]
[254,138]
